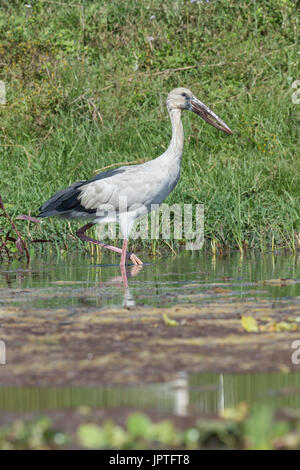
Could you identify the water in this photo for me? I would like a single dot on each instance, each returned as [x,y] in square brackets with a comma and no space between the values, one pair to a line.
[162,281]
[205,393]
[75,281]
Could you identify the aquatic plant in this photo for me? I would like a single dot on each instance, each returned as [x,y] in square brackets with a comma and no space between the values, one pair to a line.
[242,427]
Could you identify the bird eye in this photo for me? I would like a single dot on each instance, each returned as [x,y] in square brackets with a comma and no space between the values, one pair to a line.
[183,94]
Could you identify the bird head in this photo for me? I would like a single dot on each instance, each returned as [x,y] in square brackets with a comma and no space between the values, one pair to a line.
[182,98]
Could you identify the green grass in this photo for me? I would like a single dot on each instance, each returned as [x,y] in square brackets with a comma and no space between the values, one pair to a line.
[86,85]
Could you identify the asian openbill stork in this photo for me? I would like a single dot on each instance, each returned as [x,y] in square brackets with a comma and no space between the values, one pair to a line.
[124,194]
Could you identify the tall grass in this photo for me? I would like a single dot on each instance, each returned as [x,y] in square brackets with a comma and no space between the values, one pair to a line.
[86,85]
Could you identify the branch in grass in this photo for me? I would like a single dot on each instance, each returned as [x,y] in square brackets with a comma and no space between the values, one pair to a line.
[19,241]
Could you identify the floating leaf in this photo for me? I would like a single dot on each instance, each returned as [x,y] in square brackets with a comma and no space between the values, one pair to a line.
[286,326]
[250,324]
[169,321]
[279,326]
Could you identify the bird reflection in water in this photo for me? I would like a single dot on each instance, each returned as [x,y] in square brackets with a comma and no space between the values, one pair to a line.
[122,280]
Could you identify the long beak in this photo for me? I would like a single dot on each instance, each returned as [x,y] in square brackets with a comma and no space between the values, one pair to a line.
[208,115]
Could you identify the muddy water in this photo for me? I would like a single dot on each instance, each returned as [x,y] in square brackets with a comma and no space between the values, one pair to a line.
[43,305]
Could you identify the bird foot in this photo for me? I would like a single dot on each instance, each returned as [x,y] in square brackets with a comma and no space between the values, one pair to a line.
[136,261]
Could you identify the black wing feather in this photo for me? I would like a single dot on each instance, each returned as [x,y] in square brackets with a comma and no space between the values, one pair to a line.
[67,200]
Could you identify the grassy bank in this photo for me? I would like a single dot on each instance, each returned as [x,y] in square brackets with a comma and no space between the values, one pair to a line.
[86,84]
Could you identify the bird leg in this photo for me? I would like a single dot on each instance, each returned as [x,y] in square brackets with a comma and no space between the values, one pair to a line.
[81,235]
[137,261]
[124,252]
[124,276]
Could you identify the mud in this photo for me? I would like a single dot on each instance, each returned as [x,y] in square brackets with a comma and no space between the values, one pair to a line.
[84,345]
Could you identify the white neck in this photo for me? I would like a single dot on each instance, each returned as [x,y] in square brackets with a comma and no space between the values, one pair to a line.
[175,149]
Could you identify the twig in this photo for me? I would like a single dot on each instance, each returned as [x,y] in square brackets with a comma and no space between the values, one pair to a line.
[77,166]
[20,242]
[47,135]
[107,87]
[78,98]
[96,111]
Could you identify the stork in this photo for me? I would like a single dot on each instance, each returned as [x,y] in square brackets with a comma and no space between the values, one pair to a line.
[127,193]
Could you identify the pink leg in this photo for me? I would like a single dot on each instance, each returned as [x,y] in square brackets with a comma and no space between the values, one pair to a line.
[116,280]
[124,276]
[124,252]
[81,234]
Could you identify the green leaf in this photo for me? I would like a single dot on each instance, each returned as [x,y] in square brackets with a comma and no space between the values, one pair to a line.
[169,321]
[250,324]
[286,326]
[139,425]
[165,433]
[91,436]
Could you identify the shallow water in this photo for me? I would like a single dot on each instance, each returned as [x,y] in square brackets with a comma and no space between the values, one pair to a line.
[75,280]
[205,393]
[161,282]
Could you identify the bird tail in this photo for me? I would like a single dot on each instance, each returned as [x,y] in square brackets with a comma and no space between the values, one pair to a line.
[64,202]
